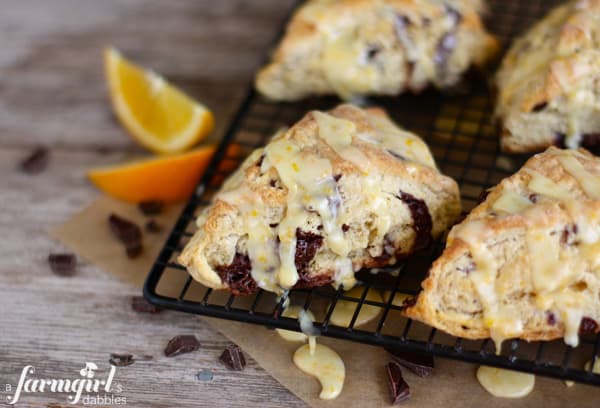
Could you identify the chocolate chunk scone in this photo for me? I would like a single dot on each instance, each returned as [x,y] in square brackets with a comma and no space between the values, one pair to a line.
[549,82]
[526,262]
[383,47]
[337,192]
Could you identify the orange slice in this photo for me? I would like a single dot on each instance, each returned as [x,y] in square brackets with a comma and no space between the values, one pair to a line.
[167,179]
[157,115]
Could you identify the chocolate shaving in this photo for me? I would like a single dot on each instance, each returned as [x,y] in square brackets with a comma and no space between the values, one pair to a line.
[181,344]
[153,227]
[121,360]
[539,107]
[568,235]
[420,364]
[399,389]
[141,305]
[62,264]
[534,198]
[550,318]
[233,358]
[588,326]
[152,207]
[128,233]
[422,223]
[36,162]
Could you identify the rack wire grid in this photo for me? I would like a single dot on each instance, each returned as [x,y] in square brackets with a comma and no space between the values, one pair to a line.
[460,132]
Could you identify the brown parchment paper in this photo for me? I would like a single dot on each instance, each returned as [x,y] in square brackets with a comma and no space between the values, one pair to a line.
[453,384]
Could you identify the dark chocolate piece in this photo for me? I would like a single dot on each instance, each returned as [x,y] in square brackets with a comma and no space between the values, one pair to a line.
[420,364]
[128,233]
[550,318]
[181,344]
[153,227]
[139,304]
[233,358]
[422,223]
[337,177]
[36,162]
[534,198]
[121,360]
[237,276]
[62,264]
[399,389]
[372,51]
[539,107]
[307,245]
[151,207]
[588,326]
[559,140]
[591,142]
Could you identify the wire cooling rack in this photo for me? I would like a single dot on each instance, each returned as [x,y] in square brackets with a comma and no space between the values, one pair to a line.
[459,130]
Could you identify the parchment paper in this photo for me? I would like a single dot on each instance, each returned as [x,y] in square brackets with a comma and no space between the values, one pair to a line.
[453,384]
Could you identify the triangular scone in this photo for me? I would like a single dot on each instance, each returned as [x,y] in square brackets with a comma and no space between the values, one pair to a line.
[525,263]
[336,192]
[379,47]
[549,82]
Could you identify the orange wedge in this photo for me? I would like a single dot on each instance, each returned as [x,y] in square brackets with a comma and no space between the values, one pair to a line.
[167,178]
[157,115]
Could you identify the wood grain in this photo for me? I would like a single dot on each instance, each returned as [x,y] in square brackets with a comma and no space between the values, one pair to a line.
[52,92]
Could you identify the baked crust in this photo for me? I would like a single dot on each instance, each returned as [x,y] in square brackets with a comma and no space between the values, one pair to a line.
[380,195]
[549,82]
[383,47]
[499,232]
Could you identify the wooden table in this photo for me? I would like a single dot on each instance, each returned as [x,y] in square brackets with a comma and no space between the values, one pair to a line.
[52,92]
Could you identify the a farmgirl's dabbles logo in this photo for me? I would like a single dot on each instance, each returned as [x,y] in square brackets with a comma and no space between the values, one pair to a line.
[86,388]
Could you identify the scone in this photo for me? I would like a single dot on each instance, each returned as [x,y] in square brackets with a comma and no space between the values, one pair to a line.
[335,193]
[549,82]
[382,47]
[525,263]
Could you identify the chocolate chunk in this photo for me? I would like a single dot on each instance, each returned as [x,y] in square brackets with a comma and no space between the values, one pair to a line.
[337,177]
[307,245]
[418,363]
[422,223]
[539,107]
[233,358]
[121,360]
[62,264]
[153,227]
[274,225]
[139,304]
[128,233]
[260,160]
[534,198]
[550,318]
[36,162]
[569,234]
[396,155]
[591,142]
[588,326]
[181,344]
[237,276]
[151,207]
[345,227]
[559,140]
[399,389]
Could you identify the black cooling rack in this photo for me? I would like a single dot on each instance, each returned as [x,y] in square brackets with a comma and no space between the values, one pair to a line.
[458,128]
